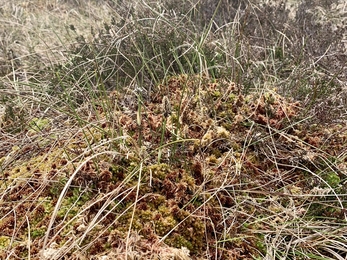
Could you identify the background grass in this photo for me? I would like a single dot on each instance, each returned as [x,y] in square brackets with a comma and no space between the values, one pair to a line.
[203,130]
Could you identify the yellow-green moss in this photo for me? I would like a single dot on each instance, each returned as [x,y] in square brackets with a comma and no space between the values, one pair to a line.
[38,124]
[4,242]
[159,170]
[164,224]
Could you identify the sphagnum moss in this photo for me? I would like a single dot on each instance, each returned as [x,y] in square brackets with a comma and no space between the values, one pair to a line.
[194,201]
[231,154]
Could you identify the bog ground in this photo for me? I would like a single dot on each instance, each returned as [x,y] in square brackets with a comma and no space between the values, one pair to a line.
[165,130]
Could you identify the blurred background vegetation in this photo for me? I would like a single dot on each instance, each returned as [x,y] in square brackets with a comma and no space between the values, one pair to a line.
[298,47]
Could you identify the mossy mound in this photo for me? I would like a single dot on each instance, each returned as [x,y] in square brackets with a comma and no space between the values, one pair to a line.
[195,166]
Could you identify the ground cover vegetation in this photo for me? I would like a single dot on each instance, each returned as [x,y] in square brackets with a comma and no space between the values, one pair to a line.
[165,130]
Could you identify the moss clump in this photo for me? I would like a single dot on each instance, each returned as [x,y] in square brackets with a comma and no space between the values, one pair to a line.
[332,179]
[38,125]
[73,202]
[37,233]
[164,225]
[179,241]
[159,171]
[4,242]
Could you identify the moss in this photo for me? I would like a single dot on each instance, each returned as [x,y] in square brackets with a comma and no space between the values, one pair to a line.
[4,242]
[73,202]
[57,188]
[159,170]
[332,179]
[207,138]
[179,241]
[164,224]
[188,197]
[222,132]
[36,233]
[212,159]
[216,152]
[38,124]
[216,94]
[156,201]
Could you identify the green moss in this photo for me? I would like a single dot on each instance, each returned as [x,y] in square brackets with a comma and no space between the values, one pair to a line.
[260,244]
[332,179]
[57,188]
[72,204]
[38,124]
[216,94]
[216,152]
[269,98]
[157,201]
[179,241]
[4,242]
[189,234]
[164,224]
[159,170]
[40,232]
